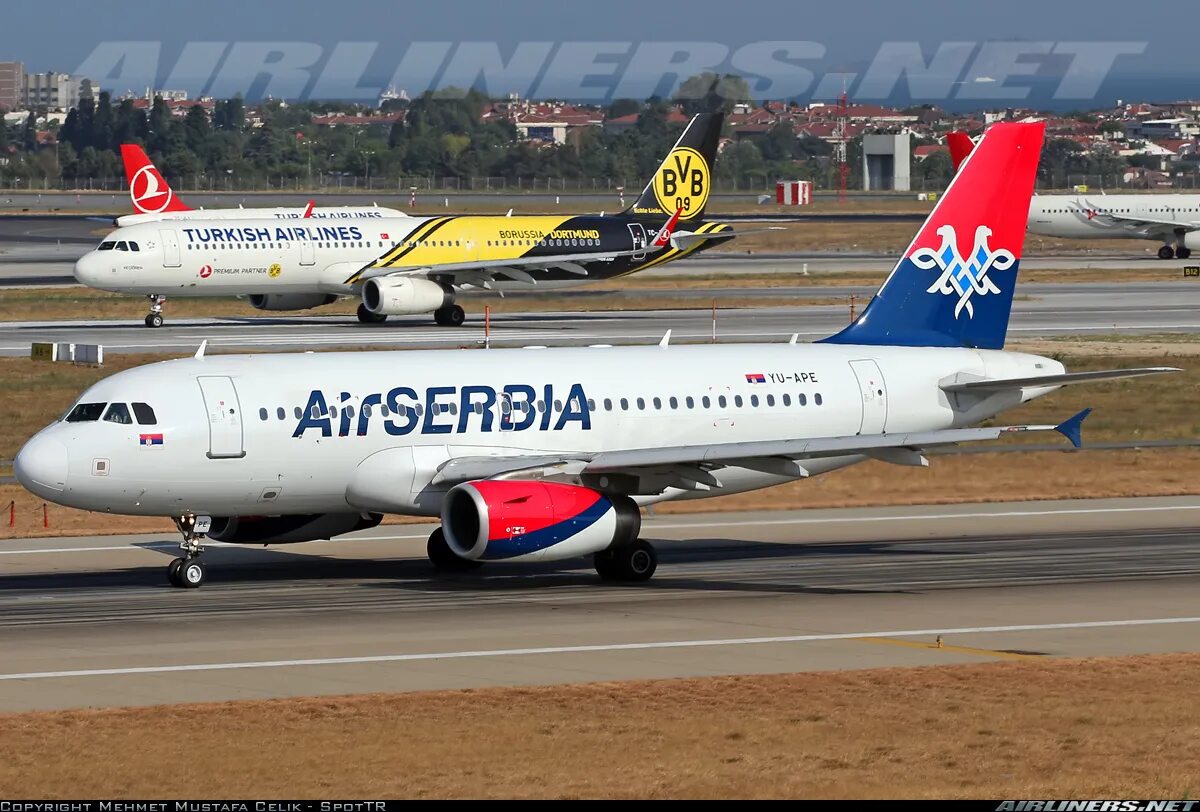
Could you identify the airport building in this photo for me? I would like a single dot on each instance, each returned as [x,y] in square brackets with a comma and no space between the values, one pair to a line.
[59,91]
[886,164]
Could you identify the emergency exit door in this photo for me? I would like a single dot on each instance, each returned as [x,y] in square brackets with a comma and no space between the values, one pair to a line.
[224,417]
[874,397]
[170,241]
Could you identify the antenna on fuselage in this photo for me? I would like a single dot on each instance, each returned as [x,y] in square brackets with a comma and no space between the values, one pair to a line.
[200,352]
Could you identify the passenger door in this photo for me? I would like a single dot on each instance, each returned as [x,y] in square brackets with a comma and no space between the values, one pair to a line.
[170,241]
[308,252]
[639,241]
[224,417]
[874,396]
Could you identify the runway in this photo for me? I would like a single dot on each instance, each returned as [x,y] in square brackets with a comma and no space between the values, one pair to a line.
[1039,311]
[91,621]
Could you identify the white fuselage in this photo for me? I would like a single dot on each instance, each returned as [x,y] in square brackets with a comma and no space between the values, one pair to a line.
[1084,216]
[307,433]
[238,258]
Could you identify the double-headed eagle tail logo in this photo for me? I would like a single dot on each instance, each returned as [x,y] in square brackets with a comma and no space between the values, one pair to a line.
[964,277]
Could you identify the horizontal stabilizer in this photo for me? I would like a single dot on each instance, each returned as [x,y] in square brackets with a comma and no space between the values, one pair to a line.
[1065,379]
[684,240]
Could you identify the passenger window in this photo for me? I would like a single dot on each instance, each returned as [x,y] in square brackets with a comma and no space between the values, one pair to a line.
[348,411]
[722,401]
[118,413]
[85,413]
[300,412]
[737,401]
[658,403]
[706,401]
[802,399]
[144,414]
[641,403]
[787,400]
[591,404]
[262,415]
[624,403]
[770,400]
[674,403]
[558,405]
[691,404]
[608,404]
[817,398]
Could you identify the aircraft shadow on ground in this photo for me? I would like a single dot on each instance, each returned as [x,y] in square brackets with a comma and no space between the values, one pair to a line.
[256,565]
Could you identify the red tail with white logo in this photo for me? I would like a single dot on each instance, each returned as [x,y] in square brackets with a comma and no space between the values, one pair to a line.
[148,189]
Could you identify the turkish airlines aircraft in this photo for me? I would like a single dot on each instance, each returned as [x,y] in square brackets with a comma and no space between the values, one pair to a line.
[155,201]
[1173,220]
[414,265]
[548,454]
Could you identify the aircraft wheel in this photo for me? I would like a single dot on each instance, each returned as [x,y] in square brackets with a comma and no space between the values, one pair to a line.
[445,559]
[635,563]
[154,320]
[606,566]
[1166,252]
[191,574]
[1183,253]
[367,317]
[173,572]
[450,316]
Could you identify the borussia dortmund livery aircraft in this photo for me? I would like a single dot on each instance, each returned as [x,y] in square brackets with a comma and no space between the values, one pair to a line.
[547,454]
[154,200]
[414,265]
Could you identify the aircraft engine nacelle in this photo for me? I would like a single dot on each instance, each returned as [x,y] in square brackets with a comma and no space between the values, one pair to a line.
[1191,240]
[492,520]
[290,301]
[404,296]
[288,529]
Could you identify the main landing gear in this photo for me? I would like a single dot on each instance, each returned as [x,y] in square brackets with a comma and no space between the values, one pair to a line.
[1174,252]
[450,316]
[155,317]
[443,558]
[187,571]
[367,317]
[633,563]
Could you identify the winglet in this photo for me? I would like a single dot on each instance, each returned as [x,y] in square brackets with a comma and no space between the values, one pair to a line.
[666,340]
[1072,428]
[202,348]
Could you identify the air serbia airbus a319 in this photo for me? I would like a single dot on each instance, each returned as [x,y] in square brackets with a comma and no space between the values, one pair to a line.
[413,265]
[548,454]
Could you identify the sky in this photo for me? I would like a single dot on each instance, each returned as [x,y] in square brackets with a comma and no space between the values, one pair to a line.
[63,36]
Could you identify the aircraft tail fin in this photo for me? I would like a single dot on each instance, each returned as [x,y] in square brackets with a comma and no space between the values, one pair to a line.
[960,145]
[953,286]
[683,180]
[148,189]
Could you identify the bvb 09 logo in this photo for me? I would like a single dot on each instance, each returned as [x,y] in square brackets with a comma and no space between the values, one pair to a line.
[682,183]
[274,270]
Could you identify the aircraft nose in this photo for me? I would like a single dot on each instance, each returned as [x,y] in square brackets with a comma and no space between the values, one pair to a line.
[41,466]
[90,269]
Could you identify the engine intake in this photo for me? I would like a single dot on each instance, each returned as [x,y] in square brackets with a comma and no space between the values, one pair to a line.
[288,529]
[290,301]
[491,520]
[404,296]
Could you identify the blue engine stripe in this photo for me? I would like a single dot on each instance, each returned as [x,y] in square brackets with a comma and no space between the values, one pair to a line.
[526,543]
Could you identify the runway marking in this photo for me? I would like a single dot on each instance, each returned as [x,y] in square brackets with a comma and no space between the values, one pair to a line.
[525,652]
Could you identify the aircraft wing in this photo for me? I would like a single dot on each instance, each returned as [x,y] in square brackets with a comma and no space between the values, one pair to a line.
[700,464]
[1065,379]
[482,272]
[683,240]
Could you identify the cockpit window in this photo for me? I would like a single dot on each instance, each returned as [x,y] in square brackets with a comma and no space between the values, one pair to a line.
[118,413]
[107,245]
[85,413]
[144,414]
[134,247]
[122,246]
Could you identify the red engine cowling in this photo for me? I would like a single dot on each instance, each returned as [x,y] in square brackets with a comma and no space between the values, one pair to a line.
[492,520]
[288,529]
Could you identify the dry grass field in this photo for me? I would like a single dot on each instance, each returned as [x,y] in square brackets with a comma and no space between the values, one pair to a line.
[1028,728]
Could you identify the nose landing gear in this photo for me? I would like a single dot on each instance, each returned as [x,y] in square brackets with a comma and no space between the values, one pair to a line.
[155,317]
[187,571]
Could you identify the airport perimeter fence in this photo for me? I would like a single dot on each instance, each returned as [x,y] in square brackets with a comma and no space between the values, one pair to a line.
[452,185]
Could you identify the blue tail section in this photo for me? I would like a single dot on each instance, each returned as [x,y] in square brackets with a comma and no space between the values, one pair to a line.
[954,285]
